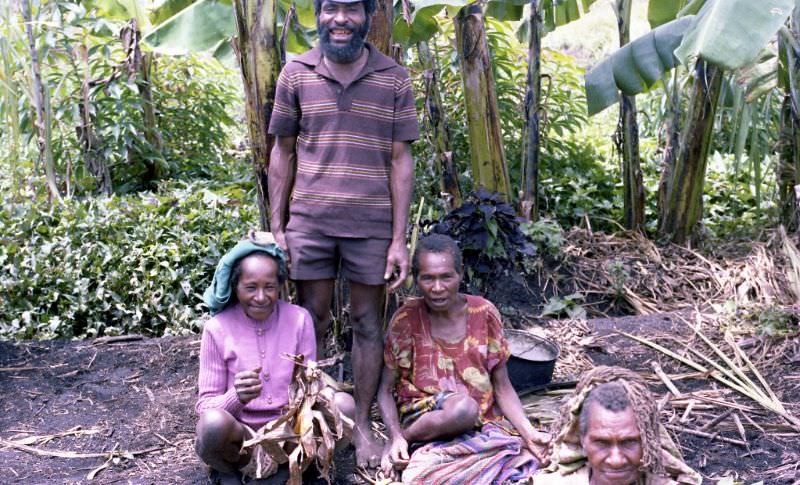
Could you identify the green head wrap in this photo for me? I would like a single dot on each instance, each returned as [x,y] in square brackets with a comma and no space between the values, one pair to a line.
[218,295]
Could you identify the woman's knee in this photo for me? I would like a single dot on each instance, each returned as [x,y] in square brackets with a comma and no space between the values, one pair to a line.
[345,404]
[216,429]
[464,409]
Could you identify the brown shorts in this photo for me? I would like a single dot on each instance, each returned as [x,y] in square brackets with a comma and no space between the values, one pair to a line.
[317,257]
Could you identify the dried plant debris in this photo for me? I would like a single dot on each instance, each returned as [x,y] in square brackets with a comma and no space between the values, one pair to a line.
[307,431]
[629,269]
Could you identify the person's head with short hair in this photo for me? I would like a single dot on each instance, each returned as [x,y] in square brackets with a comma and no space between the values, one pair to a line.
[255,283]
[342,27]
[610,435]
[441,244]
[437,268]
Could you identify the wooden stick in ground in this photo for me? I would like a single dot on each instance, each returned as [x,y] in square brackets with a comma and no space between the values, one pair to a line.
[665,379]
[710,436]
[716,420]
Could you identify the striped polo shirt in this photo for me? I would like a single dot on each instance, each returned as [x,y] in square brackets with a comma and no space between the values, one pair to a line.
[344,142]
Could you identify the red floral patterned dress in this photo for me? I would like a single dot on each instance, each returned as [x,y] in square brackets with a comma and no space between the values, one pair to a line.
[426,366]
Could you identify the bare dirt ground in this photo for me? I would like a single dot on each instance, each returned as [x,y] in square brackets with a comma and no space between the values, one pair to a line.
[123,412]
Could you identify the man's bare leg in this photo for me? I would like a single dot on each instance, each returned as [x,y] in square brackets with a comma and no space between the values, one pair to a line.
[315,296]
[366,302]
[458,415]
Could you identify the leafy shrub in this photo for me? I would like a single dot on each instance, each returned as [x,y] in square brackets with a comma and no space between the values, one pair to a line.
[488,232]
[114,265]
[546,234]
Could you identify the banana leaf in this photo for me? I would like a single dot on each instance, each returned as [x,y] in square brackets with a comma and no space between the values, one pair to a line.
[164,9]
[635,67]
[659,12]
[201,27]
[731,33]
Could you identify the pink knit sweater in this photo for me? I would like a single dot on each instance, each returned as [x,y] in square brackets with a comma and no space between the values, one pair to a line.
[232,342]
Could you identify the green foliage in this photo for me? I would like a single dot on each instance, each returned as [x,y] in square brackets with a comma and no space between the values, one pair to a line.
[114,265]
[192,97]
[546,234]
[730,201]
[568,305]
[488,232]
[775,321]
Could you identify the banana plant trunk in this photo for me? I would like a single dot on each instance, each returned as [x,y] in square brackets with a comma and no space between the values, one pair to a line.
[671,126]
[684,190]
[628,137]
[788,168]
[533,99]
[380,31]
[256,48]
[40,95]
[489,168]
[438,129]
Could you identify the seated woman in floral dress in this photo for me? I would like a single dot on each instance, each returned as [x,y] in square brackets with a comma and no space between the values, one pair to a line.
[445,383]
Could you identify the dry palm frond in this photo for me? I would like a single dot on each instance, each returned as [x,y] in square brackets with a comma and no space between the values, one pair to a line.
[306,433]
[726,371]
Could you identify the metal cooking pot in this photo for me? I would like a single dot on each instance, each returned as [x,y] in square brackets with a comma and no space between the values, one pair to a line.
[532,359]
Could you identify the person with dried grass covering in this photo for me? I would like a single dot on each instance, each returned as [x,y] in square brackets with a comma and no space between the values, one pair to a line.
[445,396]
[244,381]
[608,433]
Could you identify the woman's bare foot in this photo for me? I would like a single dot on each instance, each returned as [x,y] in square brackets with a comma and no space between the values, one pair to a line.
[368,449]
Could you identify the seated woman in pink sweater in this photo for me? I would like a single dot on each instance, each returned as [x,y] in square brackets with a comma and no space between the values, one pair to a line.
[243,382]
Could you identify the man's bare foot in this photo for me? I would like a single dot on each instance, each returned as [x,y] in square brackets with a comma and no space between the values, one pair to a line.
[368,449]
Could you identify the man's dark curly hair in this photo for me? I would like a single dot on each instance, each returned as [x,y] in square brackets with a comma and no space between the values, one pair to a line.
[369,6]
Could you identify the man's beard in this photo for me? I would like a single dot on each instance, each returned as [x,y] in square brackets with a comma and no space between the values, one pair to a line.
[347,53]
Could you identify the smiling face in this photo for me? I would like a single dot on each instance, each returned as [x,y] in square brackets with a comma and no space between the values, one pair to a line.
[613,445]
[257,288]
[342,29]
[438,280]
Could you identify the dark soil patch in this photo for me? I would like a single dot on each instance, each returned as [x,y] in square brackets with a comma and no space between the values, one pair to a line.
[132,396]
[139,396]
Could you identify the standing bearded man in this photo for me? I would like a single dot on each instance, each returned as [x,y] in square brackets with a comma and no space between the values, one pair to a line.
[340,183]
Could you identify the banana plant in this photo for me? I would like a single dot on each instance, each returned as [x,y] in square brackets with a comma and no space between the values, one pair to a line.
[728,34]
[721,35]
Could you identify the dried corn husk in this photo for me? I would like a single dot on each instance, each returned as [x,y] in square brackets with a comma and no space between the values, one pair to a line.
[306,433]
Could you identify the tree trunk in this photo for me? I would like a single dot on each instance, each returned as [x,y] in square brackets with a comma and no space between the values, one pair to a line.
[138,65]
[41,101]
[259,60]
[684,191]
[144,82]
[443,152]
[90,144]
[628,137]
[533,98]
[489,168]
[380,31]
